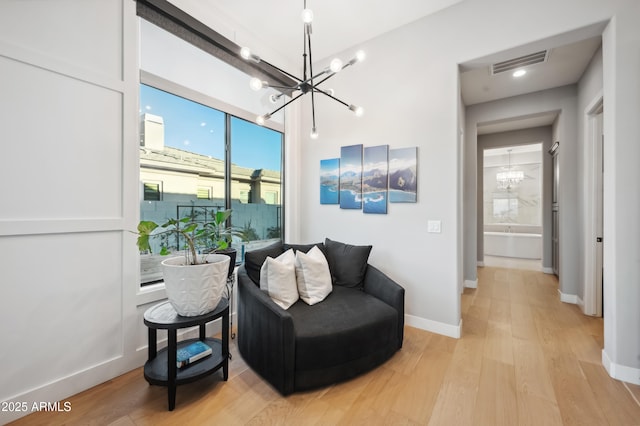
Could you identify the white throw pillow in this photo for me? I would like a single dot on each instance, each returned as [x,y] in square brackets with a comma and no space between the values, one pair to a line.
[278,279]
[313,276]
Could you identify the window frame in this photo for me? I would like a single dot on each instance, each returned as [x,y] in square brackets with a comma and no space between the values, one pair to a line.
[150,79]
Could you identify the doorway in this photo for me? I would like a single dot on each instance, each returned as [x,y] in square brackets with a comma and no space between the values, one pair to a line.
[512,206]
[595,240]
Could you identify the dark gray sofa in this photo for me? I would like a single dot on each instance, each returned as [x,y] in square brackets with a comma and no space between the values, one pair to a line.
[356,328]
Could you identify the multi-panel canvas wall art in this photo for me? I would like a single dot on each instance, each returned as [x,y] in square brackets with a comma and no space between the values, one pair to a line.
[330,181]
[403,177]
[351,177]
[368,178]
[374,179]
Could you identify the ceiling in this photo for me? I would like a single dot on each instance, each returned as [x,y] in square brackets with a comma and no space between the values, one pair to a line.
[337,25]
[564,65]
[568,56]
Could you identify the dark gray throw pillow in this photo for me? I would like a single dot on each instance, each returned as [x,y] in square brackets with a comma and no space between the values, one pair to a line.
[254,259]
[347,263]
[304,247]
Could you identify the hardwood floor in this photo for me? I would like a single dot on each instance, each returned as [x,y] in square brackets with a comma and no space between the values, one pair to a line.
[524,358]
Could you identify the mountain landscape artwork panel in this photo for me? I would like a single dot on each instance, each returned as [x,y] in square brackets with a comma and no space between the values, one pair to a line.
[403,176]
[375,176]
[351,177]
[330,181]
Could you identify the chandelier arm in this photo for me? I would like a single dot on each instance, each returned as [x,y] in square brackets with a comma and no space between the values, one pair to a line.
[281,70]
[331,74]
[313,99]
[282,88]
[315,89]
[285,104]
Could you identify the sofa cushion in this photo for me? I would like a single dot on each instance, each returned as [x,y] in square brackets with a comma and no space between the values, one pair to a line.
[254,259]
[278,279]
[304,247]
[348,263]
[349,324]
[312,275]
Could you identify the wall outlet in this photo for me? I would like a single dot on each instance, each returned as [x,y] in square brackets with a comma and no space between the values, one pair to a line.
[434,226]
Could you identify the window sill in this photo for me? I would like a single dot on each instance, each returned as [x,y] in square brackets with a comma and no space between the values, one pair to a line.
[150,294]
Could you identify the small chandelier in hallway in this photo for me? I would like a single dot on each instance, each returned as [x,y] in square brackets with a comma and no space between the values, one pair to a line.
[510,178]
[308,83]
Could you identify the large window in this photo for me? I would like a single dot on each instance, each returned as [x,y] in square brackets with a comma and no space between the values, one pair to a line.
[195,159]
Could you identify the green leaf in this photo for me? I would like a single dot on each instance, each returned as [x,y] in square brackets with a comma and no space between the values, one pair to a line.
[143,242]
[192,227]
[222,216]
[146,226]
[164,251]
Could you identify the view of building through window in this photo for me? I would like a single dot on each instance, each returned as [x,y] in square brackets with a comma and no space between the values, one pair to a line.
[184,146]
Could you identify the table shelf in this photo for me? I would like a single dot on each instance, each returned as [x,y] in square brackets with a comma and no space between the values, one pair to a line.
[161,369]
[155,370]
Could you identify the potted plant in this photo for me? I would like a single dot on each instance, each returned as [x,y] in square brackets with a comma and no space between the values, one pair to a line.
[194,282]
[218,236]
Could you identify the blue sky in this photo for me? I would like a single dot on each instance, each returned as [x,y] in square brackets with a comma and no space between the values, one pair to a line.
[197,128]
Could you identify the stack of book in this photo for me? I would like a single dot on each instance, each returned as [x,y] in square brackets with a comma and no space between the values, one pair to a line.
[192,353]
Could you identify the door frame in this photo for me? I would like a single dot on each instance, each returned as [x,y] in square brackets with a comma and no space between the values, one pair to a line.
[592,302]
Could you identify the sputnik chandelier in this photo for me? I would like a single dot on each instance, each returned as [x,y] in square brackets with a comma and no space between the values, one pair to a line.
[306,84]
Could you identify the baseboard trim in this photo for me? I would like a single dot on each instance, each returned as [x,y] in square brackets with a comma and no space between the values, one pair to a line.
[568,298]
[620,372]
[434,326]
[471,283]
[547,270]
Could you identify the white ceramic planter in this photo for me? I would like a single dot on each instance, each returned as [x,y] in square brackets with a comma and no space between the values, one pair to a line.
[195,289]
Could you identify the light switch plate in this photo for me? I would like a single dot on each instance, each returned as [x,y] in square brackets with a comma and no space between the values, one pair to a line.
[434,226]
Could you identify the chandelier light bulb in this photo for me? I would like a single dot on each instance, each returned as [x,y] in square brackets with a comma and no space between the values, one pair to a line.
[245,53]
[256,84]
[261,119]
[336,65]
[314,134]
[360,55]
[359,111]
[330,91]
[274,98]
[307,16]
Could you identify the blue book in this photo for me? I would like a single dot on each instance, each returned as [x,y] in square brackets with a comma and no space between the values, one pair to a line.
[192,353]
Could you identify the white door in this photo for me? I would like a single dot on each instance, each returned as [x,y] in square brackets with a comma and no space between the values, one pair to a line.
[594,229]
[599,151]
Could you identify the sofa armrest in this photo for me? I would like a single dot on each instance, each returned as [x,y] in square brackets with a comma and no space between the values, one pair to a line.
[377,284]
[265,335]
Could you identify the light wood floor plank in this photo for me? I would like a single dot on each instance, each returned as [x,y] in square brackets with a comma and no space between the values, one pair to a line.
[617,404]
[525,358]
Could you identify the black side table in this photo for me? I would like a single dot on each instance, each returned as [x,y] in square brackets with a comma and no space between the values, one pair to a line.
[161,368]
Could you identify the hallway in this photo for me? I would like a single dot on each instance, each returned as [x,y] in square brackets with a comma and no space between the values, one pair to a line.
[541,358]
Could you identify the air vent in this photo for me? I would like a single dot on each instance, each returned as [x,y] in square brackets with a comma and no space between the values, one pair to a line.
[522,61]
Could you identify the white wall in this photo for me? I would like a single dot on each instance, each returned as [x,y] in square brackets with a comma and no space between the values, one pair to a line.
[409,88]
[69,139]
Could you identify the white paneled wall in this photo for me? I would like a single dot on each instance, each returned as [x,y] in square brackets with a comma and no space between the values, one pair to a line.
[69,154]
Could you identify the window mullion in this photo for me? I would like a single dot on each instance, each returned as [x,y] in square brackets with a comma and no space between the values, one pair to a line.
[227,160]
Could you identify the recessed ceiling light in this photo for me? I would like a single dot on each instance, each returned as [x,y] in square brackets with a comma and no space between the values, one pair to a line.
[519,73]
